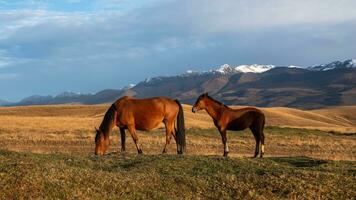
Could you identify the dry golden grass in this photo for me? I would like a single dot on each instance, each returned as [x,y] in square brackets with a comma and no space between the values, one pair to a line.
[338,119]
[70,129]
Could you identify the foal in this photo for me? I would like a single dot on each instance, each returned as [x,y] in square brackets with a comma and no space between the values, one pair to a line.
[226,118]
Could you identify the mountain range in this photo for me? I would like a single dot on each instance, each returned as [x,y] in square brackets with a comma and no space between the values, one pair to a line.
[3,102]
[258,85]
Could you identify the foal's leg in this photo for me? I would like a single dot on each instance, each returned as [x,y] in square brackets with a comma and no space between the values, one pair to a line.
[257,139]
[169,133]
[224,141]
[123,139]
[262,145]
[132,131]
[262,135]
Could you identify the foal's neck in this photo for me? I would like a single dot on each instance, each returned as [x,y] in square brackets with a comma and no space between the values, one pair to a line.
[214,109]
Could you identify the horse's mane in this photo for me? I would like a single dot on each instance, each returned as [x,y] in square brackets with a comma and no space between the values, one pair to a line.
[216,101]
[108,119]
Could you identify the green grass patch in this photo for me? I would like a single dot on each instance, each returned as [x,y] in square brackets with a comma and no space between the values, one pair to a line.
[131,176]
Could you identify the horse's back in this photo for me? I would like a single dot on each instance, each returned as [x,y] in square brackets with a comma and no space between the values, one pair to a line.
[146,113]
[154,104]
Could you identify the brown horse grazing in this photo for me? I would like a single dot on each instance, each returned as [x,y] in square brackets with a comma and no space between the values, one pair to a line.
[144,115]
[226,118]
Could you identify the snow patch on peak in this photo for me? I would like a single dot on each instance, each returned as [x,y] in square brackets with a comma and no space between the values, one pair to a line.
[129,86]
[353,61]
[350,63]
[294,66]
[255,68]
[190,71]
[224,69]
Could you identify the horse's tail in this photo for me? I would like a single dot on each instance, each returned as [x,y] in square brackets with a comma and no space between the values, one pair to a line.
[180,129]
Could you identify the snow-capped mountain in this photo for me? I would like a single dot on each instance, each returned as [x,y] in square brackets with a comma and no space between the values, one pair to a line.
[257,68]
[350,63]
[229,69]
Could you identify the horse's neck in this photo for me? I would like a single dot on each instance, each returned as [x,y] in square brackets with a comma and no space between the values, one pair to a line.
[109,120]
[214,110]
[106,128]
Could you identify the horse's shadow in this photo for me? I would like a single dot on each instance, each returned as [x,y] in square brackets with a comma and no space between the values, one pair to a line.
[299,161]
[126,161]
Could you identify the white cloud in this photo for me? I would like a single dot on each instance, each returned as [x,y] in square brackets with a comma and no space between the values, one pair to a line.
[231,16]
[160,27]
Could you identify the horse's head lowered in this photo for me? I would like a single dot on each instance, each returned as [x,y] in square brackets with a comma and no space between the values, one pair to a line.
[200,104]
[101,142]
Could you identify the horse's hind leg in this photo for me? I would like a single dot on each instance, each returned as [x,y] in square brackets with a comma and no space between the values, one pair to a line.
[255,133]
[132,131]
[169,133]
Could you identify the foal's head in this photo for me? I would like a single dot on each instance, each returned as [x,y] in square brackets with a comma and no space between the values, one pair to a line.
[200,104]
[101,142]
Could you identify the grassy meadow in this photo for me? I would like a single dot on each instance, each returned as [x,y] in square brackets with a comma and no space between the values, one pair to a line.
[47,152]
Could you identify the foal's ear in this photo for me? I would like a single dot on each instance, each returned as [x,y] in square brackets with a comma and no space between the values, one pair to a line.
[96,129]
[205,94]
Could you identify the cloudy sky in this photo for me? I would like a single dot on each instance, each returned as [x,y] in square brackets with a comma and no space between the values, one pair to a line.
[50,46]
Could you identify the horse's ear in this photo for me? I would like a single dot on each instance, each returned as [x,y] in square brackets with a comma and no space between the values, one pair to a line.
[96,129]
[205,94]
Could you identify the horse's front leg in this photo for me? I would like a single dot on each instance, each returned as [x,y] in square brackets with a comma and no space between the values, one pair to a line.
[132,131]
[224,141]
[123,139]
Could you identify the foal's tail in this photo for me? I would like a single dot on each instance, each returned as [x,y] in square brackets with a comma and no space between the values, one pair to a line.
[180,130]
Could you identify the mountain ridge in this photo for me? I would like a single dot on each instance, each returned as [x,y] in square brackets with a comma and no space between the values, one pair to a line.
[257,85]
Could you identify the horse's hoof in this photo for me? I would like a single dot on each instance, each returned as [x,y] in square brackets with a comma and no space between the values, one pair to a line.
[140,151]
[179,152]
[226,153]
